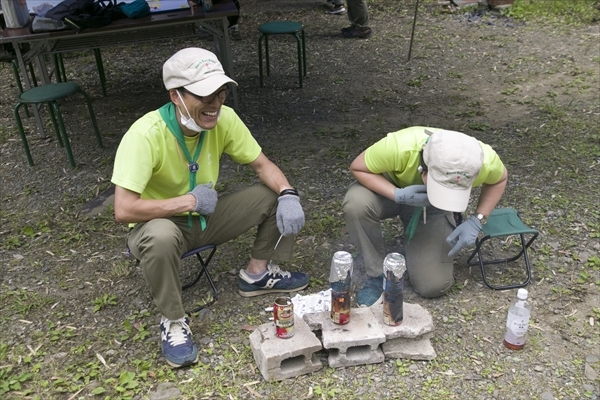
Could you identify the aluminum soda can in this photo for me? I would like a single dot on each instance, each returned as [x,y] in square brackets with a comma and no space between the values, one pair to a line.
[283,316]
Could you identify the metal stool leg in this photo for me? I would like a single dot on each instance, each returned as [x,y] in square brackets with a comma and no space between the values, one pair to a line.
[260,61]
[22,132]
[55,124]
[63,131]
[304,52]
[298,46]
[92,117]
[480,261]
[203,271]
[100,67]
[267,54]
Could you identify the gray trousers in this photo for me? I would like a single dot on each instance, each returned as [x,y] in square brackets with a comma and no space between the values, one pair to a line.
[358,13]
[429,268]
[159,243]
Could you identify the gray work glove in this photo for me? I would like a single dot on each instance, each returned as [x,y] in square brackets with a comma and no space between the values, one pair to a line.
[464,234]
[290,217]
[414,195]
[206,198]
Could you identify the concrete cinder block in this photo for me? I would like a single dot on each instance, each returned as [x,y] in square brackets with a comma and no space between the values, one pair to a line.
[416,321]
[278,358]
[315,320]
[355,343]
[412,348]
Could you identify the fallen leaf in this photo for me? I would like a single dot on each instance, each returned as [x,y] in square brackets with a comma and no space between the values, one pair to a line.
[248,327]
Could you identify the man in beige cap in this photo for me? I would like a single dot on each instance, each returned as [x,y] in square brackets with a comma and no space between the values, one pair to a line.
[165,172]
[424,175]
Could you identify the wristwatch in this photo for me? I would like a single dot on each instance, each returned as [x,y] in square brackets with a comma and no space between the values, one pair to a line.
[481,218]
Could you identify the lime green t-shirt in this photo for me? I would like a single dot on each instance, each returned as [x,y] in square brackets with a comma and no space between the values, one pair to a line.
[397,154]
[150,162]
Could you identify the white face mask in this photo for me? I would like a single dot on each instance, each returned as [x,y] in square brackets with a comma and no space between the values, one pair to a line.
[188,122]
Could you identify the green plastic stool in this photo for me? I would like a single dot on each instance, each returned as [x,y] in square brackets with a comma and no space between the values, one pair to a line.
[49,94]
[282,28]
[504,222]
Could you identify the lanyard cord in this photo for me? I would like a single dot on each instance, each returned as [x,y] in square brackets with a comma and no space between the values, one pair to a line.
[167,112]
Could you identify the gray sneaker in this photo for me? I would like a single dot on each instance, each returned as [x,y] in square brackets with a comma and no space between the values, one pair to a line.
[234,33]
[337,9]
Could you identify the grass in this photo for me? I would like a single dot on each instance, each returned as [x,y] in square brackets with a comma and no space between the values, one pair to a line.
[572,12]
[64,354]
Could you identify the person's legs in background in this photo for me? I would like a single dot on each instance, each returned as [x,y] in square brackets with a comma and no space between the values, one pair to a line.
[358,14]
[363,212]
[158,245]
[430,270]
[234,29]
[335,7]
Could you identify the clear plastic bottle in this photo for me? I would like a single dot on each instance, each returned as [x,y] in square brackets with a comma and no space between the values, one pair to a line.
[517,321]
[394,266]
[340,279]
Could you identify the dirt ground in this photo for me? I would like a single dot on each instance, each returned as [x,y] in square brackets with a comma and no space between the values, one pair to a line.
[78,322]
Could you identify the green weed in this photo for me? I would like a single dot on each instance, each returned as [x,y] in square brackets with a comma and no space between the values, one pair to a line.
[105,300]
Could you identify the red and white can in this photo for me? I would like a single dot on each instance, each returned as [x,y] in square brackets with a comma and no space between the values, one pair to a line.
[283,316]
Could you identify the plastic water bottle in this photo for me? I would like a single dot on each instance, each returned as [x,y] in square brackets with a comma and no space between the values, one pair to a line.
[340,279]
[394,266]
[517,321]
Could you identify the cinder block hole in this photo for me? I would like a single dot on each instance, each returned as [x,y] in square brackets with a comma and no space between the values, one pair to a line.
[359,352]
[293,364]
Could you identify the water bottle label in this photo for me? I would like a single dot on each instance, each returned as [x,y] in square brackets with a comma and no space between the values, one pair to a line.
[518,325]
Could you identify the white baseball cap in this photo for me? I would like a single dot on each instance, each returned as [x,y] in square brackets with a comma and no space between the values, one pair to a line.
[453,162]
[197,70]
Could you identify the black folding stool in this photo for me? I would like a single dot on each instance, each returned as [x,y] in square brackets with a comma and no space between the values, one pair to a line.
[202,270]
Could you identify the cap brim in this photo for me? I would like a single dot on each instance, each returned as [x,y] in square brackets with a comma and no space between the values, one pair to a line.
[209,85]
[455,200]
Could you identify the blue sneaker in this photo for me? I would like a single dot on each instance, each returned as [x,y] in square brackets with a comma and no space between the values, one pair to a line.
[371,292]
[177,345]
[274,281]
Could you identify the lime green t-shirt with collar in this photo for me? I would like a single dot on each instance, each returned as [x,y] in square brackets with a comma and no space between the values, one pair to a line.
[150,162]
[397,154]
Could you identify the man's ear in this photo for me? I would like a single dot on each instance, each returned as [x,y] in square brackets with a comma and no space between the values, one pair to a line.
[174,96]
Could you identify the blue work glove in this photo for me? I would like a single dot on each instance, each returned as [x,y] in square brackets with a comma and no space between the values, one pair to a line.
[464,234]
[414,195]
[206,198]
[290,217]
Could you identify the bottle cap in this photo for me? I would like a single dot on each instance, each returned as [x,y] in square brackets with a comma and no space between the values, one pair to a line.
[396,263]
[522,294]
[341,266]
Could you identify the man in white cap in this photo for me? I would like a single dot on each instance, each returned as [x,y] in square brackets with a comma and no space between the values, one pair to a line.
[165,173]
[424,175]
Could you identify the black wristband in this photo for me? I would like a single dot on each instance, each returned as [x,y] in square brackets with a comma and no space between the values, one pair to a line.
[289,191]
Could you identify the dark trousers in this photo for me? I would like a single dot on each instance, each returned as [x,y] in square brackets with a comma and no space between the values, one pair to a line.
[233,20]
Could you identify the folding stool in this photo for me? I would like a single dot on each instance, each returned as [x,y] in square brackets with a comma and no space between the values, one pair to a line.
[202,270]
[504,222]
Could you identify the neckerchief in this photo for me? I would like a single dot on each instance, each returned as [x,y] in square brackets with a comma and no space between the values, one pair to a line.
[412,225]
[168,114]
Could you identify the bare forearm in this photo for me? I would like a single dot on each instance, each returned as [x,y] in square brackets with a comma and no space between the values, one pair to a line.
[270,174]
[491,195]
[376,183]
[129,207]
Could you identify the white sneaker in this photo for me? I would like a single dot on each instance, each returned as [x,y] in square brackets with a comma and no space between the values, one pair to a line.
[337,9]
